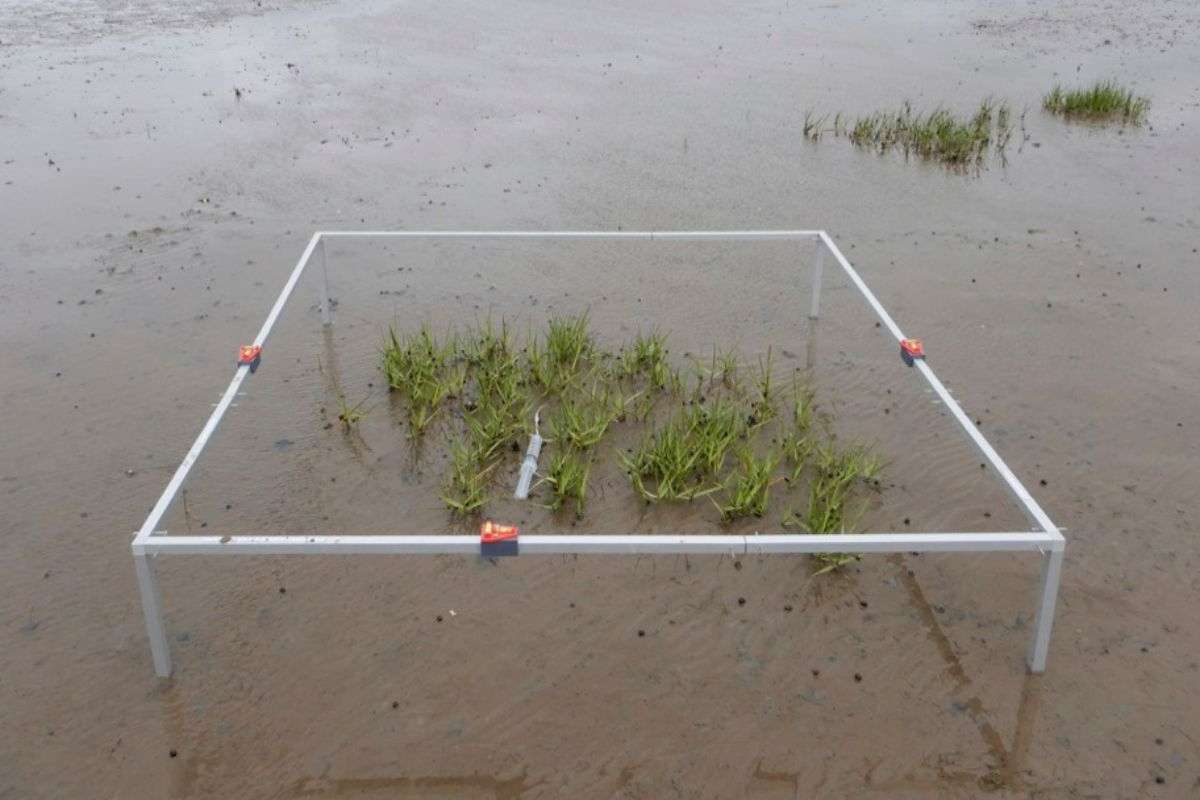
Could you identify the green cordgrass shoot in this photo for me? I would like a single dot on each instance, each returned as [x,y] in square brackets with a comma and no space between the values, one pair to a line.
[581,422]
[568,477]
[465,490]
[351,415]
[750,486]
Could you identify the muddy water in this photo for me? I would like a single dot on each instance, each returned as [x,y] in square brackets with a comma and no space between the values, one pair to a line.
[150,215]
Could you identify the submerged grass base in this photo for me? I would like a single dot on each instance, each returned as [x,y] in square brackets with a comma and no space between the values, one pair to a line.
[1102,101]
[698,431]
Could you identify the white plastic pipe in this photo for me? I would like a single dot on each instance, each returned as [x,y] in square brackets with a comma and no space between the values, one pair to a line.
[529,465]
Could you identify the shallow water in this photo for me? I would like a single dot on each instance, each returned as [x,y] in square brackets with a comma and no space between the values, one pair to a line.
[151,216]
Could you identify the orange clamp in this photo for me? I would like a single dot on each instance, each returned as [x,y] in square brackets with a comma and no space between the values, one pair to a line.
[492,532]
[911,349]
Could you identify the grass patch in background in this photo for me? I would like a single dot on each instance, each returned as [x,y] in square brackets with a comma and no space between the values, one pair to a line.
[1103,101]
[961,143]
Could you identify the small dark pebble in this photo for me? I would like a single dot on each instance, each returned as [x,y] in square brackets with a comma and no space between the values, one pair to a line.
[174,753]
[741,601]
[737,565]
[1158,741]
[439,618]
[395,704]
[1042,482]
[787,609]
[907,521]
[641,633]
[1145,649]
[863,603]
[283,590]
[228,506]
[1160,779]
[857,678]
[816,673]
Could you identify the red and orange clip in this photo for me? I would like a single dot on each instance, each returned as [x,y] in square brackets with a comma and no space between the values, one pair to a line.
[496,539]
[250,355]
[911,349]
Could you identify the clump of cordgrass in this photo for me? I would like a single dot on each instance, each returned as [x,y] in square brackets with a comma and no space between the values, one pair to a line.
[581,422]
[961,142]
[647,357]
[838,471]
[750,486]
[465,489]
[424,370]
[762,409]
[567,478]
[724,366]
[568,344]
[1101,102]
[727,438]
[683,458]
[495,383]
[797,444]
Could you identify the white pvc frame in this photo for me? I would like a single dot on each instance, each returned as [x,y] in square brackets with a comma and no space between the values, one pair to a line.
[1044,537]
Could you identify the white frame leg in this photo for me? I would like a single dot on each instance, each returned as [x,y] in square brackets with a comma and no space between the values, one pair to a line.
[152,609]
[1043,619]
[326,302]
[814,311]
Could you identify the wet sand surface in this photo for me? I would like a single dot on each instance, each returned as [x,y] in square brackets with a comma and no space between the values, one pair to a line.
[151,215]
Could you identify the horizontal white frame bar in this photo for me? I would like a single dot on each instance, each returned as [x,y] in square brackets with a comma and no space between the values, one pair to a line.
[539,544]
[675,236]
